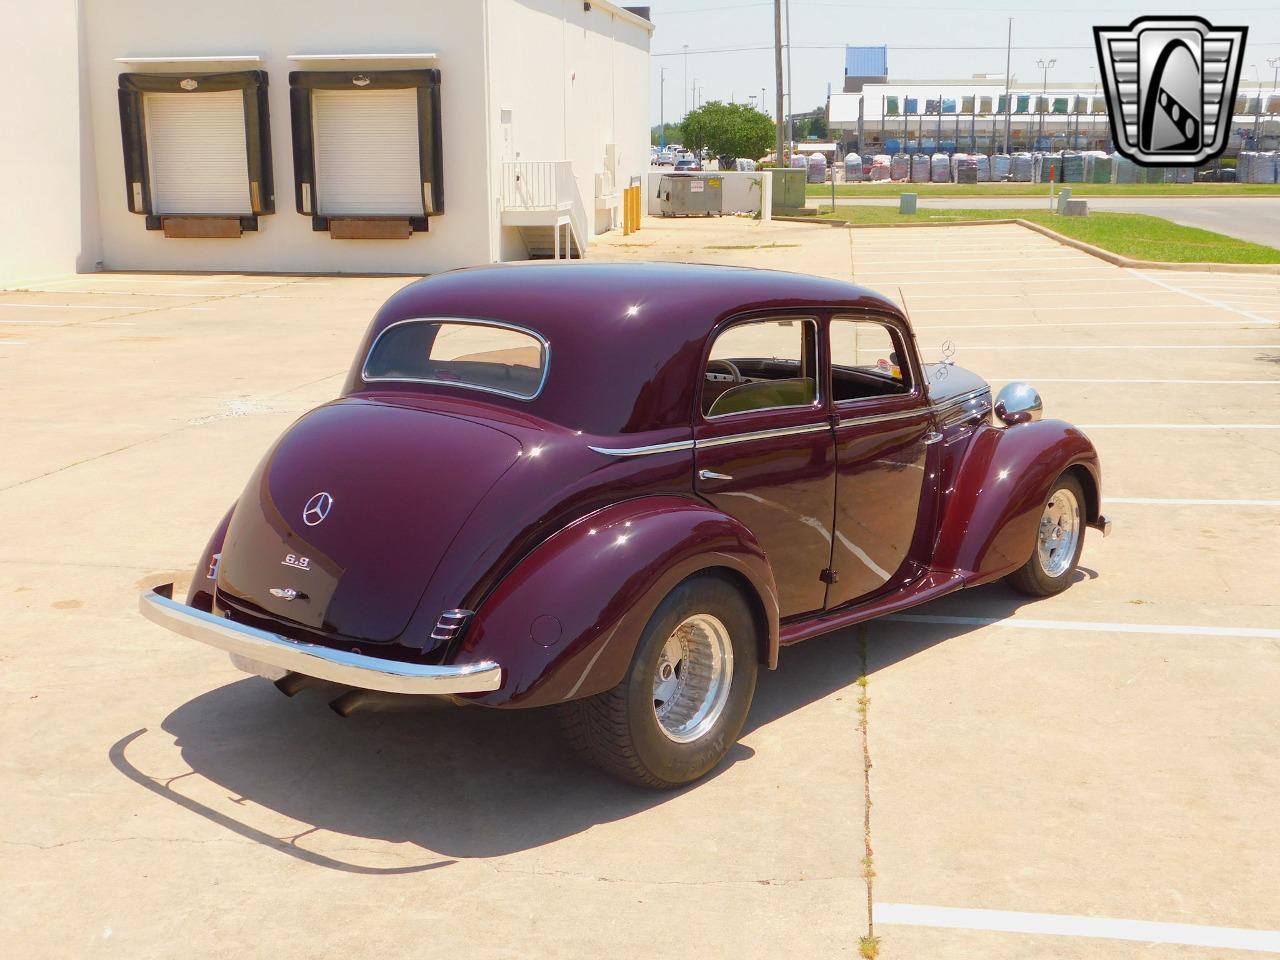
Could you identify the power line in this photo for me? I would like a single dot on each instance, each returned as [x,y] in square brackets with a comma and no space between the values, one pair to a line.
[893,46]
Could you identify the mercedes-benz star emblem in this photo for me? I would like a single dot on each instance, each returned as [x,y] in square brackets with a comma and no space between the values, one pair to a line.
[317,508]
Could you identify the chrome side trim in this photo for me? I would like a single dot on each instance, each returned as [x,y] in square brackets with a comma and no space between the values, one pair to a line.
[884,417]
[645,450]
[761,435]
[960,400]
[788,431]
[338,666]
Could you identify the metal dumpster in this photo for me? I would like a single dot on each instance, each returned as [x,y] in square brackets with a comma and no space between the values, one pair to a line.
[690,194]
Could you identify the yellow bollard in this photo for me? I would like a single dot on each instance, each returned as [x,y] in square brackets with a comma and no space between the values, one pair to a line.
[639,208]
[626,211]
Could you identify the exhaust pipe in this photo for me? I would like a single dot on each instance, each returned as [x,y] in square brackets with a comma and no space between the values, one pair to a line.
[292,683]
[353,700]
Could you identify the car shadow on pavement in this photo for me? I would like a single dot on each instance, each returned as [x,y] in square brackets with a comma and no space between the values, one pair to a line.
[459,782]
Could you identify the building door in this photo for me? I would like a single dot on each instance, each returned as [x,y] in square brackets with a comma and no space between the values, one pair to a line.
[367,153]
[196,149]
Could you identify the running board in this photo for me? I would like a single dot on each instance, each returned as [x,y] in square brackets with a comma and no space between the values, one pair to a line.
[934,584]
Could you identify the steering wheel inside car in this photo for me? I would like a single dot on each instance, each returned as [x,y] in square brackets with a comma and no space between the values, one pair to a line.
[730,367]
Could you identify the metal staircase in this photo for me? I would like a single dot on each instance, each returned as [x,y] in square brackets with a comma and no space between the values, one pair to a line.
[541,199]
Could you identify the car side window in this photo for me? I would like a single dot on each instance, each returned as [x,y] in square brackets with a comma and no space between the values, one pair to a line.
[868,360]
[762,365]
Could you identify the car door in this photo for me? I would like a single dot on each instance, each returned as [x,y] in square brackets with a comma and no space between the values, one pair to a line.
[884,445]
[764,452]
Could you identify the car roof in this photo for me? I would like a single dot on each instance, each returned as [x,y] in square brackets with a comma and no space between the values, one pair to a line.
[626,339]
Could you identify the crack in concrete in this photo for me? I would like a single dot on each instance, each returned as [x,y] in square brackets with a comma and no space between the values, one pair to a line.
[598,878]
[869,946]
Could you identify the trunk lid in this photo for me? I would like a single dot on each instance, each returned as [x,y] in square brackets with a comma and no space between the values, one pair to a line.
[347,518]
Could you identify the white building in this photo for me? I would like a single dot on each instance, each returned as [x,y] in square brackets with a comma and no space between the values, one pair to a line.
[404,136]
[973,115]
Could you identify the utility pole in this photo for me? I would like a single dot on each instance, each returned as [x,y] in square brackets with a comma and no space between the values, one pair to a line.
[686,78]
[763,109]
[662,108]
[1008,106]
[777,79]
[791,93]
[1274,64]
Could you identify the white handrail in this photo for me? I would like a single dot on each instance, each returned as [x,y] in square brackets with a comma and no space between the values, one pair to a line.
[547,185]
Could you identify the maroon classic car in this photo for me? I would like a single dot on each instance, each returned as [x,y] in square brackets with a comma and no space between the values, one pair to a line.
[619,490]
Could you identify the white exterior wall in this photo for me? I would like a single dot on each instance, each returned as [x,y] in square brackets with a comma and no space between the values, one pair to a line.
[285,240]
[47,204]
[572,81]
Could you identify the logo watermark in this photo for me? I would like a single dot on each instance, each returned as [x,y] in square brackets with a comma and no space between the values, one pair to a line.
[1171,87]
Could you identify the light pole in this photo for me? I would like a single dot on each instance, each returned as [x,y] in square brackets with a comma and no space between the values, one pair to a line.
[662,108]
[1008,80]
[763,101]
[1045,66]
[1274,64]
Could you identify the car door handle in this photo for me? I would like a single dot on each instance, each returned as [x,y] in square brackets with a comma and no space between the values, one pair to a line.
[933,436]
[712,475]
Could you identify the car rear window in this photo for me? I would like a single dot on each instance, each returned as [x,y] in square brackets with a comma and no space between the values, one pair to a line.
[482,355]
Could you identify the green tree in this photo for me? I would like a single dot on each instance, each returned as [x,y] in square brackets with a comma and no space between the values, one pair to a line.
[674,134]
[728,130]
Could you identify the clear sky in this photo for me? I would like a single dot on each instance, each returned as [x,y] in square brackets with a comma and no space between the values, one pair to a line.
[731,44]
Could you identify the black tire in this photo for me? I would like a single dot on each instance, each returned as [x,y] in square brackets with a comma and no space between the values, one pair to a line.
[618,730]
[1031,578]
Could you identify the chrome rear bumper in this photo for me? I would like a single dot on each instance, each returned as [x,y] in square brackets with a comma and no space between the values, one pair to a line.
[353,669]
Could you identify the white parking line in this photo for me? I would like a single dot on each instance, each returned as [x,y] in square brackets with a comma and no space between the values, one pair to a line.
[1197,296]
[1076,308]
[1089,626]
[1179,426]
[1127,346]
[1065,925]
[1156,501]
[1238,324]
[57,306]
[1270,383]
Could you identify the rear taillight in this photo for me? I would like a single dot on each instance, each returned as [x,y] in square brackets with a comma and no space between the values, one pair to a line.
[212,572]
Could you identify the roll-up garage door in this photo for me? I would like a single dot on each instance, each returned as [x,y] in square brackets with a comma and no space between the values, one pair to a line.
[367,152]
[196,147]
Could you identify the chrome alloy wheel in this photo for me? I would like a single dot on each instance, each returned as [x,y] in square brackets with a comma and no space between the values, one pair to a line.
[1059,532]
[692,677]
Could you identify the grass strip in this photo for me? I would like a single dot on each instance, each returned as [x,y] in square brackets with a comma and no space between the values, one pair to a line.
[1135,235]
[819,190]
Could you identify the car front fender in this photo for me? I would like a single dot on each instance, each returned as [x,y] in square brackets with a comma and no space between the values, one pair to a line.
[565,622]
[992,513]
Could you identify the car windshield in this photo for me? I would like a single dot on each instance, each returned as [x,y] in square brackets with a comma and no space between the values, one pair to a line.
[461,353]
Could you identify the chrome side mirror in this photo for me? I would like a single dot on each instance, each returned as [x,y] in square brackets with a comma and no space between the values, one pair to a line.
[1018,402]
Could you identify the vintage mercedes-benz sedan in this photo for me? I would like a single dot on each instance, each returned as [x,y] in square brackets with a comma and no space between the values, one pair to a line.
[619,490]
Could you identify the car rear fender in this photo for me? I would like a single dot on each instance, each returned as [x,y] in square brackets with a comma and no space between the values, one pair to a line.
[993,511]
[200,593]
[565,622]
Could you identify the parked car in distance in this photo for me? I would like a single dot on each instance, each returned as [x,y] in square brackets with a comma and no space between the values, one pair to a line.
[663,160]
[619,490]
[687,165]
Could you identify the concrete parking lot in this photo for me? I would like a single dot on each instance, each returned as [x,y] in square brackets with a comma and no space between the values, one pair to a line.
[1093,775]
